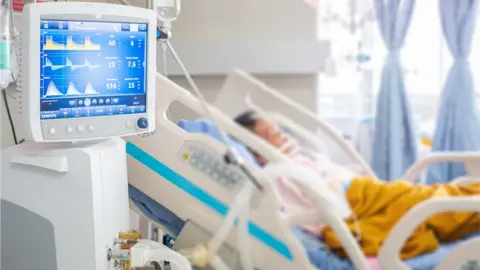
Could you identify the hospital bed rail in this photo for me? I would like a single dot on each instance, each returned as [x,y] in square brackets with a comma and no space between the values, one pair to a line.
[308,140]
[471,161]
[389,255]
[240,87]
[390,251]
[300,132]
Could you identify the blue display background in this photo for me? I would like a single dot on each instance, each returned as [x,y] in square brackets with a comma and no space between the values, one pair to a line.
[82,64]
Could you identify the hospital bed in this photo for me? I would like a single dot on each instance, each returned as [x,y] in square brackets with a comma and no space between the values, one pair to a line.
[167,168]
[241,91]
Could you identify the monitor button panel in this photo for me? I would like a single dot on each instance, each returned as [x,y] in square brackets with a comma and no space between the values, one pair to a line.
[94,127]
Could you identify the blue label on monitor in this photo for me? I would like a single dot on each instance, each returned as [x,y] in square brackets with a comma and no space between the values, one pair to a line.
[90,69]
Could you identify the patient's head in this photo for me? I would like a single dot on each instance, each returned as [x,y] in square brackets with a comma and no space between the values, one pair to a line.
[265,129]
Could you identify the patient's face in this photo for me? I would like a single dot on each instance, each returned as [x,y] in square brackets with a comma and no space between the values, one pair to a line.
[271,133]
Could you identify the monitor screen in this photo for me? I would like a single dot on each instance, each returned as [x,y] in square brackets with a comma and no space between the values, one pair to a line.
[90,69]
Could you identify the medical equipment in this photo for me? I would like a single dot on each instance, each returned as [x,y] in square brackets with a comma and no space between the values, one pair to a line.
[86,80]
[71,51]
[185,173]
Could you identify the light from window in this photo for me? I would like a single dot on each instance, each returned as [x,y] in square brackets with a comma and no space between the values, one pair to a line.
[425,57]
[334,24]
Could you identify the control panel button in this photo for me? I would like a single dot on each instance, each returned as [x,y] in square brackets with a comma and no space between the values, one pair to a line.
[142,123]
[68,129]
[129,124]
[80,128]
[52,131]
[90,128]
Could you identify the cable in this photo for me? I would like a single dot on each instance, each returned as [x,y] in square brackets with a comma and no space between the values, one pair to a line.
[230,157]
[4,94]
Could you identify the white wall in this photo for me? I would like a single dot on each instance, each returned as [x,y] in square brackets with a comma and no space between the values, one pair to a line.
[268,36]
[256,25]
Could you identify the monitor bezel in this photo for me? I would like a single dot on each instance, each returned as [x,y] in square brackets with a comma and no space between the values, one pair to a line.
[95,12]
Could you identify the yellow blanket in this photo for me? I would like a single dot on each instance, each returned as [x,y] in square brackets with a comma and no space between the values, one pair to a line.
[379,205]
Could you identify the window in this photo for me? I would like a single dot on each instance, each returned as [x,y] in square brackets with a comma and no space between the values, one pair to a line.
[347,78]
[425,58]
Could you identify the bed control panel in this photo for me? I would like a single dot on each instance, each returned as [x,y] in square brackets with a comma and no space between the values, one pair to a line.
[227,176]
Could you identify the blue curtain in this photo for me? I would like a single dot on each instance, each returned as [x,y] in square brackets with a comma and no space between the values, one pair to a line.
[394,145]
[458,120]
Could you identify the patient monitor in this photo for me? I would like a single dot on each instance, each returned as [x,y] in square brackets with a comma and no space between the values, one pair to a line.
[86,78]
[86,74]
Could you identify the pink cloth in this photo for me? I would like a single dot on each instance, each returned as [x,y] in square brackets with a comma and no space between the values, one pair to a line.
[292,198]
[374,263]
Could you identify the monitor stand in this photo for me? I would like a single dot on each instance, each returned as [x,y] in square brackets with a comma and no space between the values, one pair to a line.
[62,205]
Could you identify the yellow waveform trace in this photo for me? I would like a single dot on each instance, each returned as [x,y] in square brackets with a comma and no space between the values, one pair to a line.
[87,46]
[52,45]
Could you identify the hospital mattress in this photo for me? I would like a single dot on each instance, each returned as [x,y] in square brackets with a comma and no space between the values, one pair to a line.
[324,259]
[318,253]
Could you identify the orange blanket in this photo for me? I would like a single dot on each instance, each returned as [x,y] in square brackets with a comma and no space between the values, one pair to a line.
[379,205]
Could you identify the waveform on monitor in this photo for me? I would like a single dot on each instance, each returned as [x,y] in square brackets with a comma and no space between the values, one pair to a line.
[52,90]
[88,45]
[89,90]
[51,45]
[69,63]
[72,90]
[49,64]
[86,63]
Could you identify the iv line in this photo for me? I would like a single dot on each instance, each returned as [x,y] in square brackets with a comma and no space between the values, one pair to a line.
[231,155]
[197,91]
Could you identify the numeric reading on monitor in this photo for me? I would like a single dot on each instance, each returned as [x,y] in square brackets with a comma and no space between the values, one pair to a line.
[92,68]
